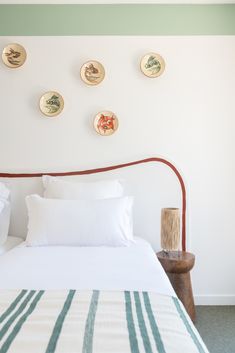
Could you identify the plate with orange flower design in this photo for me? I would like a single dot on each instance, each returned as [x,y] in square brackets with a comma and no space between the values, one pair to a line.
[105,123]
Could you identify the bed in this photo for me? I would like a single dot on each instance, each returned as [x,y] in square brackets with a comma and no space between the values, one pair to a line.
[10,243]
[89,299]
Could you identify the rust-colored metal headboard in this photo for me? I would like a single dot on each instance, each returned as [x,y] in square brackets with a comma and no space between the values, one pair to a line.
[106,169]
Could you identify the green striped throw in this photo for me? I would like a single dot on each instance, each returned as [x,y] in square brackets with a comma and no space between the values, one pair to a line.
[71,321]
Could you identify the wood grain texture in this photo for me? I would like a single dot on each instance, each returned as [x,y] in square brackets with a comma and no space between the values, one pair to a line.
[177,265]
[170,228]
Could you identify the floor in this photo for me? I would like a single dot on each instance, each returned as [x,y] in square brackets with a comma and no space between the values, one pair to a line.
[216,325]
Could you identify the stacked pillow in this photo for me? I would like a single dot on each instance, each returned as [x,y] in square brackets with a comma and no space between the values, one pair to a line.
[80,214]
[56,188]
[4,213]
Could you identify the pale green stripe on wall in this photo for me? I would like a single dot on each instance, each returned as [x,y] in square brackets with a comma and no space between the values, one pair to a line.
[44,20]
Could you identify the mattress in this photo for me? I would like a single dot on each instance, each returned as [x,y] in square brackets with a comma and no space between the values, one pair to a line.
[10,243]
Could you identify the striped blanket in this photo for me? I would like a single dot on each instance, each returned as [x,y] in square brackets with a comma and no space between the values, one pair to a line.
[94,322]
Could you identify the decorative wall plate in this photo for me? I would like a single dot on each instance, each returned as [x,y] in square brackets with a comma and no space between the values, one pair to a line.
[92,72]
[105,123]
[14,55]
[152,65]
[51,103]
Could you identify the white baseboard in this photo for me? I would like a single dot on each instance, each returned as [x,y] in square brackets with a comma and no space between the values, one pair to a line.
[214,299]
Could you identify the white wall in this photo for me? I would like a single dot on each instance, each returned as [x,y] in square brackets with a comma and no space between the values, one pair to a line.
[187,115]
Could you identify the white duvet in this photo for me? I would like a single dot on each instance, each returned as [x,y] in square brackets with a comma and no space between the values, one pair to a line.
[83,268]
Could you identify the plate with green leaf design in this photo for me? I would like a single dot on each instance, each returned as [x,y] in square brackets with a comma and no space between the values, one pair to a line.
[14,55]
[51,103]
[152,65]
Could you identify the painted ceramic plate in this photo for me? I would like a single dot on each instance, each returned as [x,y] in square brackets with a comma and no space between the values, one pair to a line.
[152,65]
[14,55]
[105,123]
[92,72]
[51,103]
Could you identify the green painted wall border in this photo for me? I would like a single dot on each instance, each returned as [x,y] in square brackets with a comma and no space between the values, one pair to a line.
[63,20]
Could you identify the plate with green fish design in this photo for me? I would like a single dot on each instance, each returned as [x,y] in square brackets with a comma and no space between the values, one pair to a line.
[14,55]
[92,72]
[51,103]
[152,65]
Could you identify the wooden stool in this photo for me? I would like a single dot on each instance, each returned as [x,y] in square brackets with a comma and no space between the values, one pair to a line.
[177,265]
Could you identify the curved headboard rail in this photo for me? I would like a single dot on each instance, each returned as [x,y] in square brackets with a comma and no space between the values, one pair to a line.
[106,169]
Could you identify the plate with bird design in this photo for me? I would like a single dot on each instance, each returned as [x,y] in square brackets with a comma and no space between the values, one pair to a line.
[152,65]
[14,55]
[51,103]
[105,123]
[92,72]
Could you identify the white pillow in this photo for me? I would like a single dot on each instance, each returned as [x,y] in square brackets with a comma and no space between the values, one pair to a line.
[106,222]
[4,220]
[4,212]
[56,188]
[4,191]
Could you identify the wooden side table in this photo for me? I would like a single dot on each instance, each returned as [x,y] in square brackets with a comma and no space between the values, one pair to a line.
[177,265]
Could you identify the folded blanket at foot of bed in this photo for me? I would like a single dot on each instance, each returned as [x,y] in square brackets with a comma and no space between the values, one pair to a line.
[95,322]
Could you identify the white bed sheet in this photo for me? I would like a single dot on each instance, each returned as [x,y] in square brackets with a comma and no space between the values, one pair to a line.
[122,268]
[10,243]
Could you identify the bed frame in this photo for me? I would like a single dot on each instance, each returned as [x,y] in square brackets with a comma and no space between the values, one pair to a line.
[106,169]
